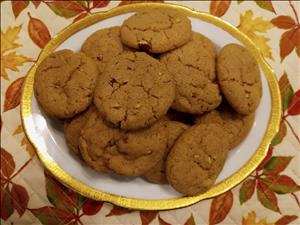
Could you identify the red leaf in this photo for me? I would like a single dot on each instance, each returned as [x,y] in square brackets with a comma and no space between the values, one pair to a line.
[283,22]
[286,44]
[18,6]
[117,211]
[267,197]
[66,9]
[7,163]
[247,190]
[100,3]
[266,159]
[82,15]
[6,204]
[52,216]
[220,207]
[281,184]
[296,37]
[13,94]
[38,32]
[286,220]
[277,164]
[20,198]
[190,221]
[147,216]
[219,8]
[294,106]
[36,3]
[91,207]
[162,222]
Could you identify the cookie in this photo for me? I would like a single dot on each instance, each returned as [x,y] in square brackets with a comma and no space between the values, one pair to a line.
[134,91]
[103,45]
[72,130]
[196,159]
[64,83]
[157,174]
[234,125]
[239,78]
[192,66]
[156,31]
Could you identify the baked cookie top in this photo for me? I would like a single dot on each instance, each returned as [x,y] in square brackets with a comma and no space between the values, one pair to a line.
[239,78]
[197,158]
[156,31]
[64,83]
[134,91]
[103,45]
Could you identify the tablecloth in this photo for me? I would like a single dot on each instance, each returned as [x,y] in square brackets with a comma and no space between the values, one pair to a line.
[30,195]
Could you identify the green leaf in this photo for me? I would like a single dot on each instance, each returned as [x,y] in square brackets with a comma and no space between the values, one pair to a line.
[280,134]
[247,190]
[277,164]
[281,184]
[286,91]
[265,4]
[267,197]
[66,9]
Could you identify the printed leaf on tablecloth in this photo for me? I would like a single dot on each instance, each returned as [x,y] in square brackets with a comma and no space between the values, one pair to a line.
[38,32]
[252,26]
[36,3]
[66,9]
[220,207]
[266,4]
[281,184]
[6,204]
[25,142]
[7,163]
[147,216]
[100,3]
[162,222]
[18,6]
[251,219]
[9,38]
[190,221]
[82,15]
[294,106]
[13,94]
[288,42]
[117,211]
[20,198]
[280,134]
[267,197]
[277,164]
[286,220]
[266,159]
[219,8]
[247,190]
[283,22]
[298,50]
[91,207]
[286,91]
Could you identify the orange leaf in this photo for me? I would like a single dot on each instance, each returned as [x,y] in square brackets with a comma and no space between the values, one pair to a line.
[286,220]
[247,190]
[18,7]
[286,43]
[20,198]
[117,211]
[294,106]
[36,3]
[219,8]
[13,94]
[267,197]
[296,37]
[190,221]
[220,207]
[162,222]
[298,50]
[147,216]
[7,163]
[251,219]
[82,15]
[38,32]
[283,22]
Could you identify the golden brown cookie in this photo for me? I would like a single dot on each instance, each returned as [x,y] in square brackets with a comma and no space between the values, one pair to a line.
[235,125]
[64,83]
[103,45]
[156,30]
[197,158]
[134,91]
[239,78]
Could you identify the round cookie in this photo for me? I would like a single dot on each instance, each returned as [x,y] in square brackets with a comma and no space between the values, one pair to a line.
[134,91]
[197,158]
[239,78]
[156,31]
[64,83]
[157,174]
[235,125]
[103,45]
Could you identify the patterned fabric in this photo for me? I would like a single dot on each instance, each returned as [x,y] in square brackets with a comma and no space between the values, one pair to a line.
[29,195]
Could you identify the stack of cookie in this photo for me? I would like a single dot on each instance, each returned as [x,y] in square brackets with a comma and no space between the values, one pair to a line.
[148,99]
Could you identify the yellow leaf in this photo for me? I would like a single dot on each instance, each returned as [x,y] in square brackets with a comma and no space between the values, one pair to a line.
[250,219]
[252,26]
[28,147]
[8,39]
[18,130]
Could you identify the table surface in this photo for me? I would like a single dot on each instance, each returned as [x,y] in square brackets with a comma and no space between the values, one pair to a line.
[29,195]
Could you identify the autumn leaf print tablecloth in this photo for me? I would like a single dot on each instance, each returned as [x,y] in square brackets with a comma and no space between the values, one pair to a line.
[29,195]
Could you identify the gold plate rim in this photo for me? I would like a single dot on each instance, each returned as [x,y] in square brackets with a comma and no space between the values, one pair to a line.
[142,204]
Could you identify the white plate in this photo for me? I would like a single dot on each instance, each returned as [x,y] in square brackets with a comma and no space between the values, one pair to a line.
[47,135]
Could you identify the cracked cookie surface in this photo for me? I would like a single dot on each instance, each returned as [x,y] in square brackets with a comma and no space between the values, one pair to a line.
[235,126]
[239,78]
[197,158]
[134,91]
[103,45]
[157,174]
[64,83]
[156,31]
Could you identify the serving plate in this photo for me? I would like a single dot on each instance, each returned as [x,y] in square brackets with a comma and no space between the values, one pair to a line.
[47,136]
